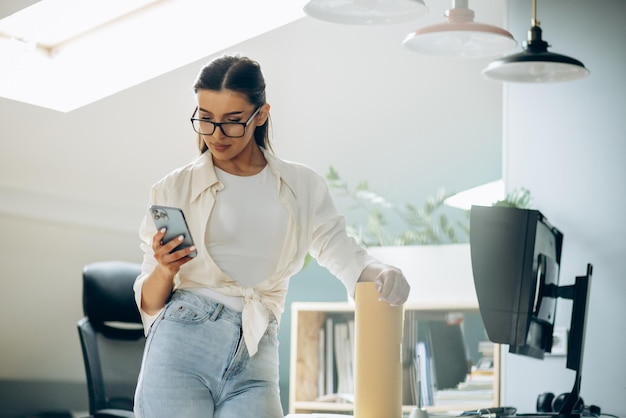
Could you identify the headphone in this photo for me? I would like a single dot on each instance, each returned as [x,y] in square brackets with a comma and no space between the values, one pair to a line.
[547,402]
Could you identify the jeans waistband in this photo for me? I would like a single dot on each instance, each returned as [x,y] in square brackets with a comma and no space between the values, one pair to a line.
[214,308]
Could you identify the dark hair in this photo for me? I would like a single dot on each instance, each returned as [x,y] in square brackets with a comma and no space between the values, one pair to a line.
[240,74]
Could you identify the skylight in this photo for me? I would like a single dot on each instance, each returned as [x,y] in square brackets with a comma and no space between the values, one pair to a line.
[64,54]
[72,18]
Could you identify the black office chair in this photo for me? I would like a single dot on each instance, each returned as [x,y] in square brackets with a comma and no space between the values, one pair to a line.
[111,337]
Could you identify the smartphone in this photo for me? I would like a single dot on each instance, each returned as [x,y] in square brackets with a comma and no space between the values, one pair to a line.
[173,220]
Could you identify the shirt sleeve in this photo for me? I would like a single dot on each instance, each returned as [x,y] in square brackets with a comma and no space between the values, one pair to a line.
[147,229]
[331,245]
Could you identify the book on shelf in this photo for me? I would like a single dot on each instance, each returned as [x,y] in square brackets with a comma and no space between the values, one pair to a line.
[477,382]
[352,347]
[425,383]
[409,372]
[321,365]
[476,389]
[336,359]
[330,358]
[343,359]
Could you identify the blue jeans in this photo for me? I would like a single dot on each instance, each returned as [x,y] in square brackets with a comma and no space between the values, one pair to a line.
[196,365]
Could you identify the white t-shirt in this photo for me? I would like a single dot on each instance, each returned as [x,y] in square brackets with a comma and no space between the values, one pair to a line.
[247,227]
[246,230]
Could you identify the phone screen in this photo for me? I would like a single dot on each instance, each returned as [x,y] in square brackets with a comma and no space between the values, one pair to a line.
[173,220]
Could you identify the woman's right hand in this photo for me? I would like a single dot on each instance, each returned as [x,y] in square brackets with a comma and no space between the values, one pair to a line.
[157,287]
[170,262]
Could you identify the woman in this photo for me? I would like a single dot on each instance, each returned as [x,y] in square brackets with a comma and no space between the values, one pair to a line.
[213,352]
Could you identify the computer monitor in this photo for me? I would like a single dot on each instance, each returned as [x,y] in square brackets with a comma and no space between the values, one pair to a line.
[516,259]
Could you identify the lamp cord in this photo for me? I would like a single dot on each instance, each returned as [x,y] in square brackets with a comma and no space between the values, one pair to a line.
[534,21]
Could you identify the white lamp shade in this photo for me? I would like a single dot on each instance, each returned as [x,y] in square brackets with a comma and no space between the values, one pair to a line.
[459,36]
[463,40]
[366,12]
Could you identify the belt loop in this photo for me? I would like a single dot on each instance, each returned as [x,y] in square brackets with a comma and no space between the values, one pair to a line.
[216,312]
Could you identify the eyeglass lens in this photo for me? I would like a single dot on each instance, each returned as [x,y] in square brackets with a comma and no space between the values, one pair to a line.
[229,129]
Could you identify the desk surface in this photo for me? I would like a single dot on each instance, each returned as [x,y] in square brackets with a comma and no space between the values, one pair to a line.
[322,415]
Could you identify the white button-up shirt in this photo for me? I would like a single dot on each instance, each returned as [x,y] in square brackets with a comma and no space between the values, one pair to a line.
[314,226]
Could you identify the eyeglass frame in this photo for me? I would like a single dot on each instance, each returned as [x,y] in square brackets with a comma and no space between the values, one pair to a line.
[219,124]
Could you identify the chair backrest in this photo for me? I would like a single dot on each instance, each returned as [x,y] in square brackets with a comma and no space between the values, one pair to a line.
[111,334]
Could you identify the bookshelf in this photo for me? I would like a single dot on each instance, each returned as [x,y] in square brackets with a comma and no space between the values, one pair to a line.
[309,379]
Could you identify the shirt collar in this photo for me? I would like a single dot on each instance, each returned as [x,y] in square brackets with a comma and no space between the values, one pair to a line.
[279,168]
[204,176]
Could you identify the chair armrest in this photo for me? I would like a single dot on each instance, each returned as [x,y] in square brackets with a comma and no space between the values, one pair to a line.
[113,413]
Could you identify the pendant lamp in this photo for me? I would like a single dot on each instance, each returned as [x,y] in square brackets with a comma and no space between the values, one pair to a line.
[366,12]
[459,36]
[535,64]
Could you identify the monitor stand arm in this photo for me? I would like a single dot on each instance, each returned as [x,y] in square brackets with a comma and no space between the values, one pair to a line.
[572,407]
[579,294]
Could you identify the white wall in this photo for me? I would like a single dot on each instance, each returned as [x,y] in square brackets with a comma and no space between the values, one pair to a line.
[42,290]
[565,142]
[73,186]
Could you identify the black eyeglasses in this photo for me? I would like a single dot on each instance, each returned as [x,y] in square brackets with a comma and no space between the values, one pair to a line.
[229,129]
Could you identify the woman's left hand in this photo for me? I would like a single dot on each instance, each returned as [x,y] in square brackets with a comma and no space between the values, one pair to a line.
[390,281]
[392,286]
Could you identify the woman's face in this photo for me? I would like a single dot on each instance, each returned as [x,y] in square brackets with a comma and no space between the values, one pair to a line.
[229,106]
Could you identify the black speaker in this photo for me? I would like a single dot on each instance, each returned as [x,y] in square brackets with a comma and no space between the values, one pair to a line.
[559,401]
[547,402]
[544,402]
